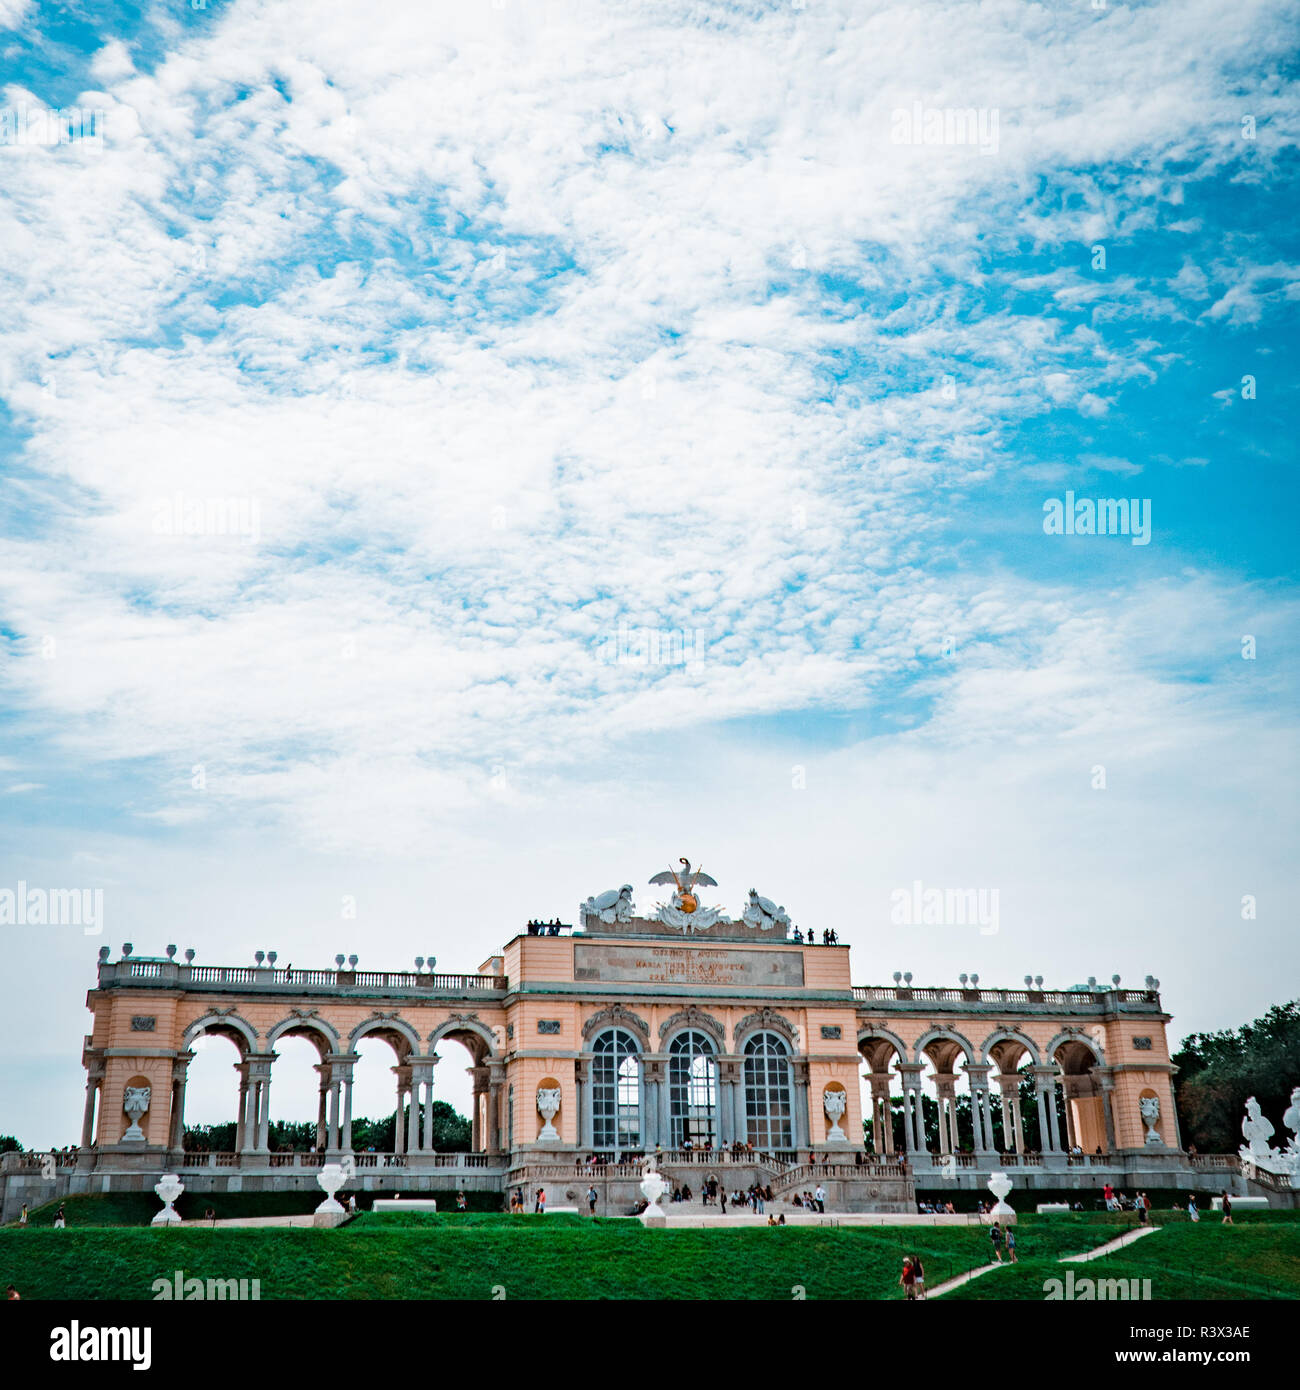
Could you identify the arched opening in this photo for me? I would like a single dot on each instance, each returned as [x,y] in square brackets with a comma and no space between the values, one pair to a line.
[300,1091]
[616,1092]
[468,1110]
[769,1101]
[213,1091]
[380,1081]
[882,1096]
[949,1122]
[1012,1091]
[1082,1115]
[693,1090]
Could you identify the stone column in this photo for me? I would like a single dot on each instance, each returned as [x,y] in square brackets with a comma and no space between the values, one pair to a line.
[242,1108]
[322,1113]
[335,1089]
[88,1114]
[341,1065]
[586,1114]
[946,1086]
[1045,1082]
[496,1089]
[1107,1083]
[400,1143]
[914,1116]
[882,1128]
[977,1074]
[665,1106]
[802,1117]
[180,1074]
[479,1076]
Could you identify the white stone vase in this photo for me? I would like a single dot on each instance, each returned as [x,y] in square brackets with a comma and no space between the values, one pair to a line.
[168,1190]
[999,1184]
[835,1103]
[548,1107]
[331,1177]
[653,1186]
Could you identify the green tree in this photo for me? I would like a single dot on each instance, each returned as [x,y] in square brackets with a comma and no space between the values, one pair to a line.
[1217,1072]
[9,1145]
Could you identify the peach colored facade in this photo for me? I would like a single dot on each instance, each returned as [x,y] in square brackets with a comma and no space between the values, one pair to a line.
[722,1039]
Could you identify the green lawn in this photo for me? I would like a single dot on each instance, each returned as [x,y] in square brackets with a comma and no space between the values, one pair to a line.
[451,1256]
[1254,1258]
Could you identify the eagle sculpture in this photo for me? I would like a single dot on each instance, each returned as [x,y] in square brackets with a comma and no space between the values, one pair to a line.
[685,883]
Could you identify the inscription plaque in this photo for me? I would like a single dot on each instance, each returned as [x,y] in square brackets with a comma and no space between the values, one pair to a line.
[1142,1044]
[548,1025]
[682,965]
[143,1023]
[832,1030]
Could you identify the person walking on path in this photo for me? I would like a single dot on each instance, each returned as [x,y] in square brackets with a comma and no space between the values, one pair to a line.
[1227,1210]
[995,1235]
[1011,1246]
[1141,1209]
[908,1281]
[918,1272]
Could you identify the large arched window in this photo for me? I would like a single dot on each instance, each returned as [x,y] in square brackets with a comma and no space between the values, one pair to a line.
[769,1109]
[693,1089]
[616,1091]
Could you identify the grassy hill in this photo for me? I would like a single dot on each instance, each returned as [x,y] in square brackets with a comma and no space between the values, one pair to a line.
[108,1251]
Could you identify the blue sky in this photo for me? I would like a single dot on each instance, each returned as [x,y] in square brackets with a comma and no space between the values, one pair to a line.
[519,327]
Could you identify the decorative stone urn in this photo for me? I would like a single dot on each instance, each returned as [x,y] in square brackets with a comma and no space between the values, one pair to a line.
[168,1190]
[548,1106]
[835,1103]
[136,1104]
[331,1177]
[999,1185]
[653,1186]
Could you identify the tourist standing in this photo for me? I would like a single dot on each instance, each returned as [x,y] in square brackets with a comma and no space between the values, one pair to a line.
[918,1270]
[539,1206]
[1108,1192]
[908,1281]
[821,1199]
[22,1220]
[592,1198]
[1227,1210]
[995,1235]
[59,1221]
[1011,1245]
[1193,1213]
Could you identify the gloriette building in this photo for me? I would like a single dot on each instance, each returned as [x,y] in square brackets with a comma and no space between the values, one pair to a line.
[709,1040]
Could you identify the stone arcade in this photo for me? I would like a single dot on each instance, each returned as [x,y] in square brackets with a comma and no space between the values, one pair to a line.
[632,1033]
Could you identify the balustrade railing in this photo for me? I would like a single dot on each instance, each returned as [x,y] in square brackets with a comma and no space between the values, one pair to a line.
[881,994]
[170,973]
